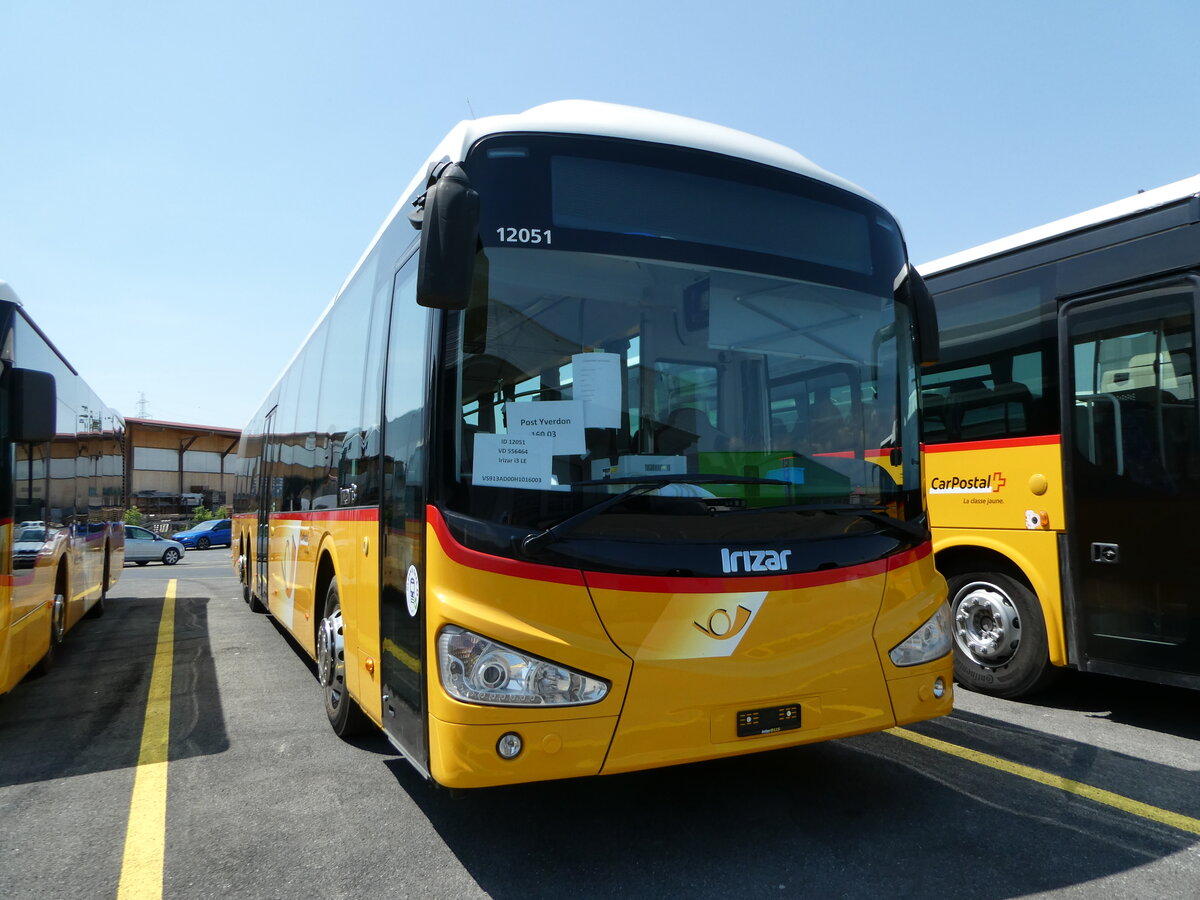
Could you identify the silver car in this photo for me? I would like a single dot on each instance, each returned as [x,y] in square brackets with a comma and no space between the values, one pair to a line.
[144,546]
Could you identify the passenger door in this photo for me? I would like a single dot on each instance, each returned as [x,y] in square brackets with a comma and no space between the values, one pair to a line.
[266,477]
[405,667]
[1132,450]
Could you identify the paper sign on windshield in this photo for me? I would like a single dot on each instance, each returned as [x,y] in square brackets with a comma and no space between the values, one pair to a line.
[597,382]
[507,460]
[559,420]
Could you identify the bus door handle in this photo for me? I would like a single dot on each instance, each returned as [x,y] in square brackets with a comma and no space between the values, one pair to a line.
[1106,553]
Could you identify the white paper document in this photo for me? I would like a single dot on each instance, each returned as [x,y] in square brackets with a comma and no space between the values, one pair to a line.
[597,382]
[506,460]
[559,420]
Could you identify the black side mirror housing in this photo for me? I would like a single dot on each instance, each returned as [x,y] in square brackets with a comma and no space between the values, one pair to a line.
[33,405]
[914,294]
[449,240]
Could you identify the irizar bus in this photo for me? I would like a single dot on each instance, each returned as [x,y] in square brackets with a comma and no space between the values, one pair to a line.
[62,484]
[1063,446]
[605,457]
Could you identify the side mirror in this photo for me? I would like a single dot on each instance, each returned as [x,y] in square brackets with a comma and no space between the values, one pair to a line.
[449,239]
[33,403]
[914,294]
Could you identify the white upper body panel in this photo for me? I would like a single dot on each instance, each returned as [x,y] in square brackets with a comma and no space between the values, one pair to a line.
[592,117]
[1146,200]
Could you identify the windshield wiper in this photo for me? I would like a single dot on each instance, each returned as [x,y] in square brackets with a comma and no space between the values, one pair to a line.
[640,484]
[874,514]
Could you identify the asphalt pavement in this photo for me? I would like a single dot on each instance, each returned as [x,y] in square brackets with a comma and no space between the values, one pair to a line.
[1091,790]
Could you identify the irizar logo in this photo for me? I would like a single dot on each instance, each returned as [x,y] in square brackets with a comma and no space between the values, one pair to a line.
[754,560]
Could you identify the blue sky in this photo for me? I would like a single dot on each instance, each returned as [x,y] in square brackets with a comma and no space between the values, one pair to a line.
[184,186]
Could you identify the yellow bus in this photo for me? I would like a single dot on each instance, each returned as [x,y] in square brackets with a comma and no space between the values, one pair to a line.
[555,488]
[1063,446]
[62,490]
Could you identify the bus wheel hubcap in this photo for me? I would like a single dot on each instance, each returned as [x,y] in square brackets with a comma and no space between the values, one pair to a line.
[331,660]
[987,625]
[58,616]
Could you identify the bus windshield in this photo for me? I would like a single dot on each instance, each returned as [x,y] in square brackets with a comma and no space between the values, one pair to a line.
[595,357]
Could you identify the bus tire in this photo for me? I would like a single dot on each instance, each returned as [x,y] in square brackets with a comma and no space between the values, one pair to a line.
[58,612]
[96,610]
[1000,645]
[256,605]
[343,711]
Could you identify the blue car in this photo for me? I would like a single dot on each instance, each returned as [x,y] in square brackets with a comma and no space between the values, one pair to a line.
[204,535]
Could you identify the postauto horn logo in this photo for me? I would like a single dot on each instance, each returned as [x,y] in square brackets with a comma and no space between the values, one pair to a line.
[968,484]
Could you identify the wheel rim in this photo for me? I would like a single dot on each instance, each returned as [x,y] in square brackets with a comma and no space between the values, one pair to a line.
[171,557]
[987,624]
[331,658]
[202,544]
[58,618]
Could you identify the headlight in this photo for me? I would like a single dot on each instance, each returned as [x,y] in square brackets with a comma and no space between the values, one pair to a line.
[477,670]
[929,642]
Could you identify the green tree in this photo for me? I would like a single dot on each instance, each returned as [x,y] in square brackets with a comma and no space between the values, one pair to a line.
[201,515]
[133,516]
[221,513]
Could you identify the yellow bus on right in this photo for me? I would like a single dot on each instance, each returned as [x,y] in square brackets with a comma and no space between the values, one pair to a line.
[1062,446]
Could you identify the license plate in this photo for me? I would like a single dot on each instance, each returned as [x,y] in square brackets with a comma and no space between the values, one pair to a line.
[768,720]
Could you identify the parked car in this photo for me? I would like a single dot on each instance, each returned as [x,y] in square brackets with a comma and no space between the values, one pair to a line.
[143,546]
[30,539]
[204,535]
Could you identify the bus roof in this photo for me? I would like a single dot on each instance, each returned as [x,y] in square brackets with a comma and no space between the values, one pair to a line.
[593,117]
[632,123]
[1138,203]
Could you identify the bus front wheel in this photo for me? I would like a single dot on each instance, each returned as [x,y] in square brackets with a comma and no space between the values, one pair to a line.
[1000,645]
[343,712]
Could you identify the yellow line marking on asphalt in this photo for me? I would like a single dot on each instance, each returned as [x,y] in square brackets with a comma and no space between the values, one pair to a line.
[145,836]
[1097,795]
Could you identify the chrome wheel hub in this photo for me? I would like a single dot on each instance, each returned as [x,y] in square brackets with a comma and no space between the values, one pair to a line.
[331,658]
[987,626]
[58,618]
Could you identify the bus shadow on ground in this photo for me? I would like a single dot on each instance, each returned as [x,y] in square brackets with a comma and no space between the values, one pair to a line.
[1152,707]
[1162,786]
[87,714]
[864,817]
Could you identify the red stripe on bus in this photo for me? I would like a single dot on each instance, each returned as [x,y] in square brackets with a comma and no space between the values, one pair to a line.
[1041,440]
[499,564]
[336,515]
[661,583]
[844,454]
